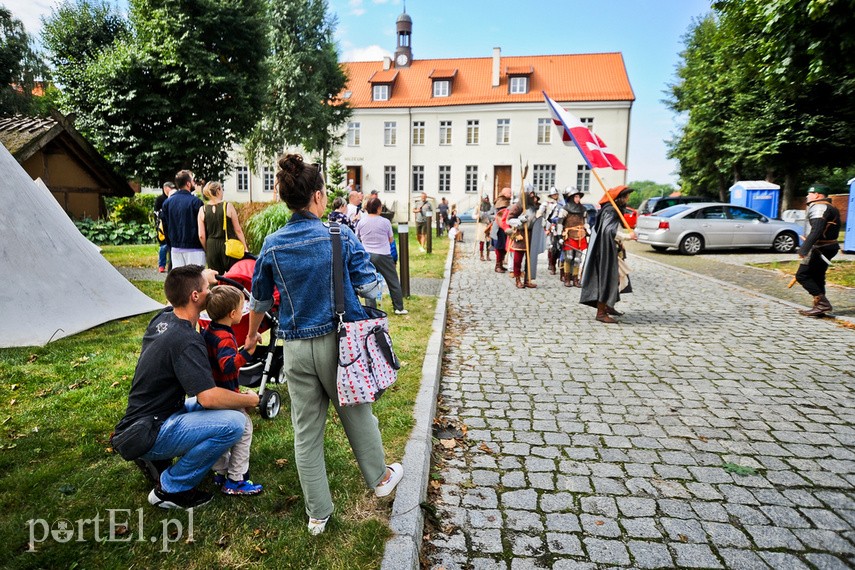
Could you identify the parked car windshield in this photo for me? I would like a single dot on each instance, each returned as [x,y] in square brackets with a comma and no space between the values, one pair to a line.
[672,211]
[745,214]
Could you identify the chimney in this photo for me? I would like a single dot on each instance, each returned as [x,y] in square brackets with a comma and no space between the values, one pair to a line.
[387,62]
[497,56]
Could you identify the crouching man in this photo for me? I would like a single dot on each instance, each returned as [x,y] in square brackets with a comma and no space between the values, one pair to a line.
[159,423]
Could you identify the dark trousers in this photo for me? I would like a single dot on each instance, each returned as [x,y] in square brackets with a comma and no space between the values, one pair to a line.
[811,275]
[386,267]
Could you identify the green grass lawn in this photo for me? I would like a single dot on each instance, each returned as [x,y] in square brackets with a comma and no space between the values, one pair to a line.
[58,405]
[840,272]
[131,255]
[427,264]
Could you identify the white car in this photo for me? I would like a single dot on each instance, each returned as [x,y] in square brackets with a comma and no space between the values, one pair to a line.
[692,228]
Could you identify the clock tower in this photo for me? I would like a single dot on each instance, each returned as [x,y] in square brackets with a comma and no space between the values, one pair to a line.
[404,51]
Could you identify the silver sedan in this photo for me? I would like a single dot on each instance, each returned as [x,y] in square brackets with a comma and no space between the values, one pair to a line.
[692,228]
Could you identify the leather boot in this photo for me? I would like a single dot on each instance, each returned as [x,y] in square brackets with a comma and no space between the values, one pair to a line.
[499,268]
[488,255]
[577,282]
[530,284]
[482,255]
[821,306]
[551,263]
[519,281]
[561,274]
[568,281]
[612,311]
[602,316]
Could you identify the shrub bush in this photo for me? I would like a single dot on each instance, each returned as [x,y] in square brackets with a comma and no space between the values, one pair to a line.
[138,208]
[108,232]
[265,223]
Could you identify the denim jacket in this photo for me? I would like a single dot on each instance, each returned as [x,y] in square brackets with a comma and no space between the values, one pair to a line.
[297,260]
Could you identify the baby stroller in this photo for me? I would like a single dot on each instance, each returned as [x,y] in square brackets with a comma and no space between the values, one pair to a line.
[266,364]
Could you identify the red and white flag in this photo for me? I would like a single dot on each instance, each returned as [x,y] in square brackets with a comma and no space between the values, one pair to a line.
[593,149]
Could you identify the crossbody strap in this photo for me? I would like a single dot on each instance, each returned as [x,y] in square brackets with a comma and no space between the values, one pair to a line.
[225,219]
[338,272]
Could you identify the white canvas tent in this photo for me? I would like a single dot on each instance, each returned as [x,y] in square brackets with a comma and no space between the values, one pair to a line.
[55,283]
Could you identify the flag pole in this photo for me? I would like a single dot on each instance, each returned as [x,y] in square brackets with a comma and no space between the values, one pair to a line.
[524,172]
[611,201]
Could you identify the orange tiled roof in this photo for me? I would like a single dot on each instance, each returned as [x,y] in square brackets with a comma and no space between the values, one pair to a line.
[383,76]
[566,78]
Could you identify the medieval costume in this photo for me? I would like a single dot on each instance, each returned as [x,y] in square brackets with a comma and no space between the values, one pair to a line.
[483,227]
[526,239]
[819,247]
[498,234]
[575,238]
[603,280]
[552,226]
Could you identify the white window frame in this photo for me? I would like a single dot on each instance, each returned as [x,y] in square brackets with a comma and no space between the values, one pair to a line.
[583,177]
[418,133]
[268,178]
[380,92]
[390,133]
[242,174]
[418,179]
[353,133]
[543,177]
[445,133]
[389,178]
[503,131]
[441,87]
[518,85]
[473,132]
[544,131]
[588,122]
[471,179]
[444,178]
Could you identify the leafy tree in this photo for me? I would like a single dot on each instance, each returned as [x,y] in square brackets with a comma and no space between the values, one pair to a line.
[20,66]
[765,87]
[303,105]
[176,86]
[647,189]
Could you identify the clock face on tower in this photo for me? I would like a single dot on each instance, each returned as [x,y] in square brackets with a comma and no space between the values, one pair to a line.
[402,59]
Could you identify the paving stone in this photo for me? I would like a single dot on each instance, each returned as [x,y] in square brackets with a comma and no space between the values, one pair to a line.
[599,526]
[488,564]
[825,519]
[485,518]
[556,502]
[650,554]
[683,530]
[599,506]
[641,528]
[523,520]
[824,540]
[527,545]
[742,559]
[827,562]
[480,497]
[636,507]
[783,560]
[694,556]
[746,515]
[606,551]
[773,537]
[523,499]
[526,564]
[487,540]
[563,543]
[562,522]
[722,534]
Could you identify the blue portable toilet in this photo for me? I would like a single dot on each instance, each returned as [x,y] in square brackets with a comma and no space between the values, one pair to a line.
[849,237]
[758,195]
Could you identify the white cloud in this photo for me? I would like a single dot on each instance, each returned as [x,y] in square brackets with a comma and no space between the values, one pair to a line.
[30,13]
[356,7]
[368,53]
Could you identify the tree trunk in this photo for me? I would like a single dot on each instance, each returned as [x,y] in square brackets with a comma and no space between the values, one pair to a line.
[791,182]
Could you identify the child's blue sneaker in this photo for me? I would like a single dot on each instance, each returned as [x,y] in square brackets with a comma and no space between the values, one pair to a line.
[219,479]
[241,488]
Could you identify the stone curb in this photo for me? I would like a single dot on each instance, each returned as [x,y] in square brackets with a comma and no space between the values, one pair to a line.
[734,286]
[407,520]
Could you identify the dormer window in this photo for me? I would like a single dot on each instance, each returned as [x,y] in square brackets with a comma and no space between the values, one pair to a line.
[442,80]
[519,85]
[519,79]
[381,92]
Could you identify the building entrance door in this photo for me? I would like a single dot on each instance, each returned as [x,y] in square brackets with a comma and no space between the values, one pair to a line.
[501,179]
[354,173]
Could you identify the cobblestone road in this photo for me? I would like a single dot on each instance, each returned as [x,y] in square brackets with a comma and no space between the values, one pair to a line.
[711,429]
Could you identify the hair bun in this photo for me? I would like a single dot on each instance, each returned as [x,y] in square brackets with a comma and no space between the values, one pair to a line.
[292,164]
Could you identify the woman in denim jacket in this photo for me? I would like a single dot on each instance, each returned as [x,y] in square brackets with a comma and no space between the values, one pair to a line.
[297,260]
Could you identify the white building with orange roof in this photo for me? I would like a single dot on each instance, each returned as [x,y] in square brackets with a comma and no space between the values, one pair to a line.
[458,128]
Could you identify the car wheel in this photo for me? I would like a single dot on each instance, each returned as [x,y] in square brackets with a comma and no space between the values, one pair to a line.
[659,248]
[269,405]
[691,244]
[785,242]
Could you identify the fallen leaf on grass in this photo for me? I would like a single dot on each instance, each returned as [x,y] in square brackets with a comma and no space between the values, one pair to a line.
[13,387]
[13,402]
[281,462]
[114,384]
[121,530]
[223,542]
[32,359]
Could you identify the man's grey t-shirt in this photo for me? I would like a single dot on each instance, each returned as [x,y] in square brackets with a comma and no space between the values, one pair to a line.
[173,363]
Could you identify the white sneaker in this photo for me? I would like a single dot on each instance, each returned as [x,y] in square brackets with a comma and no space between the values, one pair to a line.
[317,526]
[386,487]
[421,249]
[402,312]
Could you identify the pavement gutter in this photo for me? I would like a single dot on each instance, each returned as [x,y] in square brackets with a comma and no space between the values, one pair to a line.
[407,520]
[734,286]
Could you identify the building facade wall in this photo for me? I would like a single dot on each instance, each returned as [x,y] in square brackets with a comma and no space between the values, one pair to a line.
[374,156]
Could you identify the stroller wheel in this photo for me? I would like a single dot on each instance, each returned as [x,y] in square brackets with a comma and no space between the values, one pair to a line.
[269,405]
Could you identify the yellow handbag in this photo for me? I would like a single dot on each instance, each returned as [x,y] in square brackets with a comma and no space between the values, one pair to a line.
[234,247]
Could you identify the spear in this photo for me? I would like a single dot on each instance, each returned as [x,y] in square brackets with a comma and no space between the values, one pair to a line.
[524,172]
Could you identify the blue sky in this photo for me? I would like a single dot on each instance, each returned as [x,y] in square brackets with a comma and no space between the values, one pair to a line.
[648,32]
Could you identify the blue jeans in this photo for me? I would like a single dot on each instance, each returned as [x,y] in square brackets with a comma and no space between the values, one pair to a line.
[199,437]
[161,255]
